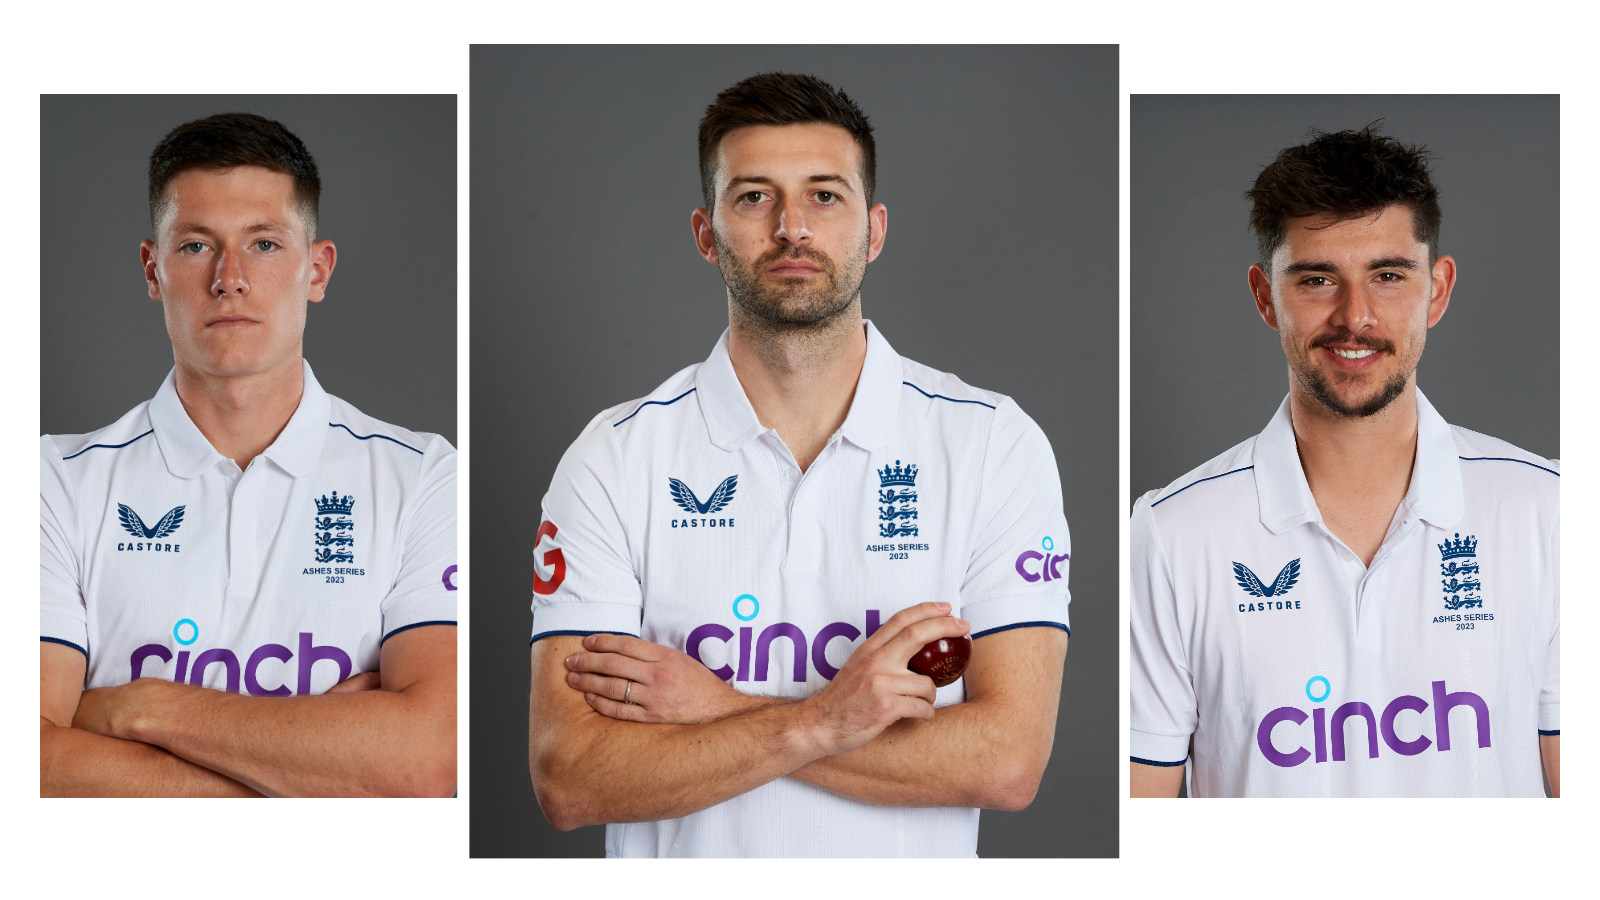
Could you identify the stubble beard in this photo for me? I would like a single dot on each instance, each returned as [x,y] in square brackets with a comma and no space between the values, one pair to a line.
[1320,386]
[786,305]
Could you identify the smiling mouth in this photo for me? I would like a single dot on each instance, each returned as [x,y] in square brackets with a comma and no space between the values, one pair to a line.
[1353,354]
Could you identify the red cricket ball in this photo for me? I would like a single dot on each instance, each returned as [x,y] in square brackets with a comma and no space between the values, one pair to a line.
[943,660]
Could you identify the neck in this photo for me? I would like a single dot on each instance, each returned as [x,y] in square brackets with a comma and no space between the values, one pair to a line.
[800,380]
[1358,469]
[241,415]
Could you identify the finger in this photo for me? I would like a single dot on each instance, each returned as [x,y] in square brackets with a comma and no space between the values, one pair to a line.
[625,644]
[912,685]
[611,688]
[611,709]
[904,618]
[615,665]
[910,640]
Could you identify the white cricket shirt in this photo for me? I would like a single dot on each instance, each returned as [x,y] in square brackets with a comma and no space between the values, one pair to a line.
[159,558]
[680,519]
[1266,654]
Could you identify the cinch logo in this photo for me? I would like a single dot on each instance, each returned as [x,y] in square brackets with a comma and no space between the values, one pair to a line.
[745,608]
[136,527]
[1048,563]
[186,633]
[449,578]
[1443,702]
[691,504]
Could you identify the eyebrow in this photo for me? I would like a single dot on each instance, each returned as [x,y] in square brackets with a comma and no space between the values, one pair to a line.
[764,179]
[1387,262]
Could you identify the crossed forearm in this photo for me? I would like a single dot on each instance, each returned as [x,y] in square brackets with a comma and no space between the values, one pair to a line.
[588,769]
[965,756]
[368,743]
[77,763]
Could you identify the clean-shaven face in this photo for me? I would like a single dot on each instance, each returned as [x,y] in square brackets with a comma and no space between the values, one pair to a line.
[791,221]
[233,267]
[1353,302]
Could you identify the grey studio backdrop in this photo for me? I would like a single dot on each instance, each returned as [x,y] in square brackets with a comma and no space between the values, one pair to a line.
[1207,373]
[999,169]
[384,337]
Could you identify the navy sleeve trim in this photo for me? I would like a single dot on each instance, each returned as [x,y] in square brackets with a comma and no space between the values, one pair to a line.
[544,634]
[1023,625]
[1152,762]
[656,403]
[108,447]
[1508,459]
[86,653]
[413,625]
[1542,732]
[1201,481]
[369,437]
[943,397]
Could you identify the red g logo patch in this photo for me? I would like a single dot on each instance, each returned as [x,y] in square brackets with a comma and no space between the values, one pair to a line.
[552,558]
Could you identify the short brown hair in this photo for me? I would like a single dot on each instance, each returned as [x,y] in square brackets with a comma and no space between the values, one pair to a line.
[1347,174]
[777,98]
[226,140]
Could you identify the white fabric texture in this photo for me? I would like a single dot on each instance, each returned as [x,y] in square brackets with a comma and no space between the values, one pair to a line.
[1270,658]
[160,558]
[678,518]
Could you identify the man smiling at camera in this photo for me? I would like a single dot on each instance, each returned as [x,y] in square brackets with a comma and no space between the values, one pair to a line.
[733,571]
[245,584]
[1363,600]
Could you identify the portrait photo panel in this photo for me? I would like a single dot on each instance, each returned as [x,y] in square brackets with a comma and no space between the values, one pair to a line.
[384,337]
[999,170]
[1206,372]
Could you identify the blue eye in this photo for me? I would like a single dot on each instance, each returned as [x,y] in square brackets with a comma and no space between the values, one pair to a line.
[265,246]
[193,247]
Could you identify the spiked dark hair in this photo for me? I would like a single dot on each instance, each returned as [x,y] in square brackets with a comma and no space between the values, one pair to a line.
[777,98]
[1347,174]
[226,140]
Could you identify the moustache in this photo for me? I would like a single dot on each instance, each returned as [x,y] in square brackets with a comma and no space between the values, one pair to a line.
[1366,343]
[766,260]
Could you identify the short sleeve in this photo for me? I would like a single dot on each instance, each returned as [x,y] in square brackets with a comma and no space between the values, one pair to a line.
[1017,572]
[62,615]
[1162,710]
[583,580]
[1550,693]
[424,591]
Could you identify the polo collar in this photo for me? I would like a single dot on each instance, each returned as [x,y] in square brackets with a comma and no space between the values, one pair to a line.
[188,453]
[871,422]
[1435,493]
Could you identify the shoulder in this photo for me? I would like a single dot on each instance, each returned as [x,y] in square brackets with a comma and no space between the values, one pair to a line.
[120,434]
[945,392]
[1491,465]
[351,430]
[1226,475]
[662,406]
[1474,447]
[642,422]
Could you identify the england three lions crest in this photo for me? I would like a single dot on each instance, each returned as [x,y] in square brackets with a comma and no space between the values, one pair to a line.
[334,529]
[897,517]
[1458,570]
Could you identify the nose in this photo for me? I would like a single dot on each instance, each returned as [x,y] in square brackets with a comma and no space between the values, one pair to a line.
[229,276]
[1355,311]
[792,224]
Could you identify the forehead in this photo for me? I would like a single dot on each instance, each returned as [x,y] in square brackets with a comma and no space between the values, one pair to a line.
[219,197]
[814,147]
[1388,232]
